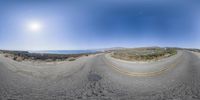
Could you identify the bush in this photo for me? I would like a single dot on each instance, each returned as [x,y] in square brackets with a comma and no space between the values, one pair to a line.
[72,59]
[6,56]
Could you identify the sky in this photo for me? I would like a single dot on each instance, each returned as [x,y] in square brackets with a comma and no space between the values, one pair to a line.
[90,24]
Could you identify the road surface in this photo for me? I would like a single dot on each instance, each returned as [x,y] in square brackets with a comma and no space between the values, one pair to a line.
[96,79]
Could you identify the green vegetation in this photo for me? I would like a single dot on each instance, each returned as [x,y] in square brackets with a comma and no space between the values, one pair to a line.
[144,54]
[72,59]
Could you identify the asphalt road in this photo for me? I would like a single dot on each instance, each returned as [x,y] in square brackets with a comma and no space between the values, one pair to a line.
[96,79]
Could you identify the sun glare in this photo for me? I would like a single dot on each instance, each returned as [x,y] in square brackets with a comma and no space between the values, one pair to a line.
[34,26]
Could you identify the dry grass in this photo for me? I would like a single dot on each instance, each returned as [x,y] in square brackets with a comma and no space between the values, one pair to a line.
[23,55]
[144,54]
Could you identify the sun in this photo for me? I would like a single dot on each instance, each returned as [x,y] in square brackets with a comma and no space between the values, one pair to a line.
[34,26]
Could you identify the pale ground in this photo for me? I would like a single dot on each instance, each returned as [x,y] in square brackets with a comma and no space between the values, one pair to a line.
[92,78]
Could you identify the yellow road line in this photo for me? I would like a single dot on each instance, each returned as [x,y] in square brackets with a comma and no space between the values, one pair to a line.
[129,73]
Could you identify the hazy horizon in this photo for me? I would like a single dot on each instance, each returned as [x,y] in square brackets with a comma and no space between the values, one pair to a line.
[38,50]
[78,25]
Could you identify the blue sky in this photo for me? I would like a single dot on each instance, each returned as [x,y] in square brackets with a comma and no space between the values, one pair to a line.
[77,24]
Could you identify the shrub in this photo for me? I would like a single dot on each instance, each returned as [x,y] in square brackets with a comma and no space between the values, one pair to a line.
[6,56]
[72,59]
